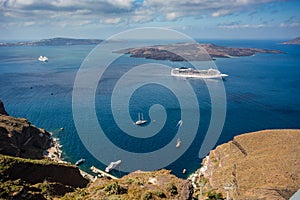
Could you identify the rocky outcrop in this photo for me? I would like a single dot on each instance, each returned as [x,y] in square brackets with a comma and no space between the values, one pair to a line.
[259,165]
[37,171]
[2,109]
[22,177]
[19,138]
[192,52]
[293,41]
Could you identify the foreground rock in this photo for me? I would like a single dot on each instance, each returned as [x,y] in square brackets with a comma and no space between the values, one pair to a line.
[259,165]
[192,52]
[37,179]
[21,177]
[2,109]
[138,185]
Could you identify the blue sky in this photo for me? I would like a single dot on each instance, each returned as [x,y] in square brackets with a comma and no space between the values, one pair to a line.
[229,19]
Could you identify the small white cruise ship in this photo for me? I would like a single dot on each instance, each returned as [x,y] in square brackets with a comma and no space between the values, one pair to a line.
[43,59]
[193,73]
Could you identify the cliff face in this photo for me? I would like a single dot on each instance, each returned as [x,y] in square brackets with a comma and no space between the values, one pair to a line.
[2,109]
[259,165]
[23,178]
[36,171]
[19,138]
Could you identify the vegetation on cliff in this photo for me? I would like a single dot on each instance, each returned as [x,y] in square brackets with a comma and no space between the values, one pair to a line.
[137,185]
[24,178]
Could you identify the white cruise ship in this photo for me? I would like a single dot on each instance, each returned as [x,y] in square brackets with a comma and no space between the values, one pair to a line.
[193,73]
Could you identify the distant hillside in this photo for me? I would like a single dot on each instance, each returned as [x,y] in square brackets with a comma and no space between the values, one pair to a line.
[192,52]
[293,41]
[55,42]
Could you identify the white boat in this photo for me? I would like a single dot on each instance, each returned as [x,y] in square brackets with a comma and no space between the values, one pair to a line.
[194,73]
[43,59]
[112,165]
[80,161]
[140,120]
[178,143]
[180,122]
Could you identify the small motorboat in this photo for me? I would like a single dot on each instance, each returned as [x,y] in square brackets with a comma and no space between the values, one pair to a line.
[80,161]
[112,165]
[178,143]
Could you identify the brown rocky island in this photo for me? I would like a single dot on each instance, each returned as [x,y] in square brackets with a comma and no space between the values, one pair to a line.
[192,52]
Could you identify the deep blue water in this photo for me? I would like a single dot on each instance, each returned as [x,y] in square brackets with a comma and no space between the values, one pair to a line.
[263,92]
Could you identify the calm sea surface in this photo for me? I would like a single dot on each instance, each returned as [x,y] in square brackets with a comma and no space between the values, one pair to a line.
[263,92]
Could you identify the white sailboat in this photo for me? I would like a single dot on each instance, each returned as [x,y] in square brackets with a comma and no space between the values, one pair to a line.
[140,120]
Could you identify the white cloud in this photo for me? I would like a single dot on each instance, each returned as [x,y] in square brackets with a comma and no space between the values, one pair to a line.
[172,16]
[236,26]
[122,3]
[117,11]
[289,25]
[220,13]
[115,20]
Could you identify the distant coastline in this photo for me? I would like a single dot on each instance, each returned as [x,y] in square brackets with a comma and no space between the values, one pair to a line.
[293,41]
[59,41]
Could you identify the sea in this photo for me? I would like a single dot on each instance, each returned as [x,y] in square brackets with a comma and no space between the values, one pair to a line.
[261,92]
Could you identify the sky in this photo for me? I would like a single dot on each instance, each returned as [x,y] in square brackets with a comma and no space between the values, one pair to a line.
[212,19]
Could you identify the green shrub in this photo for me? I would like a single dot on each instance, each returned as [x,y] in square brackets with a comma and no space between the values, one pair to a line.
[78,194]
[159,194]
[11,188]
[214,196]
[147,195]
[172,189]
[114,188]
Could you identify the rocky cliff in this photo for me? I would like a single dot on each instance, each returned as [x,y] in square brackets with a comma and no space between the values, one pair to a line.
[259,165]
[19,138]
[2,109]
[23,178]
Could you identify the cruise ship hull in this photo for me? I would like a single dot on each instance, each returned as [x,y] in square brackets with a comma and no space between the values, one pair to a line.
[191,73]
